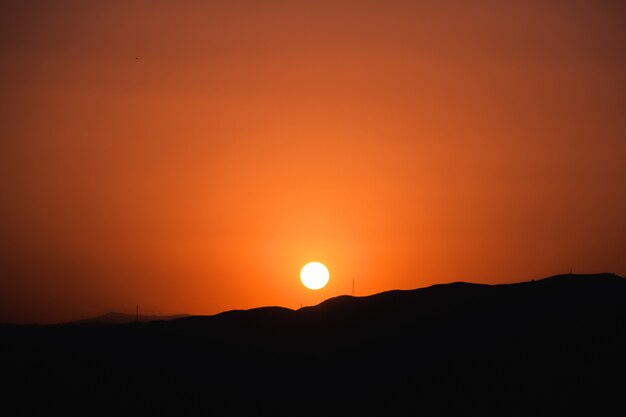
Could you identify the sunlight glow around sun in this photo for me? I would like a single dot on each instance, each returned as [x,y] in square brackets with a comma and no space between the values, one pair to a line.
[314,275]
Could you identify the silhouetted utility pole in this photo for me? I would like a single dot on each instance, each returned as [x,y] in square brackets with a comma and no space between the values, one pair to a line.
[353,290]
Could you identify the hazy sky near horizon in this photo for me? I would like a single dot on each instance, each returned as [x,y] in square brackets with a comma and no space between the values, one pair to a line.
[191,156]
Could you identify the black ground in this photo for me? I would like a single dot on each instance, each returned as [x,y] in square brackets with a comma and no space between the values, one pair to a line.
[546,347]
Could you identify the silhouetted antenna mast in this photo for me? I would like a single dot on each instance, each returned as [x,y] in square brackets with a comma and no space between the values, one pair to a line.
[137,314]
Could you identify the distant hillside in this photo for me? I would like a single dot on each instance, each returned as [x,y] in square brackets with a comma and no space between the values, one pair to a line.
[400,307]
[547,347]
[122,318]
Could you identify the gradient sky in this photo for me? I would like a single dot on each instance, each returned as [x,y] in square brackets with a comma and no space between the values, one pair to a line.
[191,156]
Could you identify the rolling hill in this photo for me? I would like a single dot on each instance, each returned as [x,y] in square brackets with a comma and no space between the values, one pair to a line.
[123,318]
[542,347]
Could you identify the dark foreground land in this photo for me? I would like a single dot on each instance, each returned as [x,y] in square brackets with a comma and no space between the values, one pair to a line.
[547,347]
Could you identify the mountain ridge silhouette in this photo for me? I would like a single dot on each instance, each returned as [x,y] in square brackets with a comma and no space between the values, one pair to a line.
[115,317]
[542,347]
[420,299]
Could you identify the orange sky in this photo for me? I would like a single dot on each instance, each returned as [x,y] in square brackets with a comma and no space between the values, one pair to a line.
[401,143]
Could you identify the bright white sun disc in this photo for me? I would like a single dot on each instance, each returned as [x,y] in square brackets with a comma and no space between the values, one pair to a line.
[314,275]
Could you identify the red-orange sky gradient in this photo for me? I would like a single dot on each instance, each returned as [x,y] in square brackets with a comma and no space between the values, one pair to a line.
[191,156]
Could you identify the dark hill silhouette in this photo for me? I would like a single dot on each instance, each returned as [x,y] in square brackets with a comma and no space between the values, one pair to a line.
[122,318]
[544,347]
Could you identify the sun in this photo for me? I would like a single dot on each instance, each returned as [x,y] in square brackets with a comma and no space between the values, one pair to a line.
[314,275]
